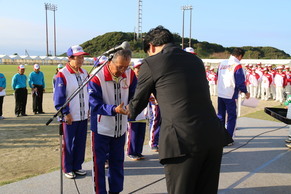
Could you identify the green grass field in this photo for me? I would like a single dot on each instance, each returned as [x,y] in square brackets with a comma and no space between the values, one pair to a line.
[48,70]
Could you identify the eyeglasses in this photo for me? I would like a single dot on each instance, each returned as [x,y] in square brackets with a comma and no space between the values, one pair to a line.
[120,67]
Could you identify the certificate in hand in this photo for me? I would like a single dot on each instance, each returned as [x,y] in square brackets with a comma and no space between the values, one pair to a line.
[251,102]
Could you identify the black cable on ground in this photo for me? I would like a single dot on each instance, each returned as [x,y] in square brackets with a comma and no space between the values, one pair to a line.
[253,138]
[76,186]
[222,154]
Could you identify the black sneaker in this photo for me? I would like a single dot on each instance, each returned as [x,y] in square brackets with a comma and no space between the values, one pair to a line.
[288,140]
[80,172]
[141,157]
[155,149]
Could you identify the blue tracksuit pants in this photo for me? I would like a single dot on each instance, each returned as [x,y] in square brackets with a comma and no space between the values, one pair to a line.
[74,144]
[227,106]
[154,116]
[136,135]
[114,147]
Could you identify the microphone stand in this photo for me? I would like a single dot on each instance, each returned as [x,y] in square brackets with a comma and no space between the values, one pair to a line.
[60,113]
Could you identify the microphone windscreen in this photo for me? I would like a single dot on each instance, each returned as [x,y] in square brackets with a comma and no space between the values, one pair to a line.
[125,45]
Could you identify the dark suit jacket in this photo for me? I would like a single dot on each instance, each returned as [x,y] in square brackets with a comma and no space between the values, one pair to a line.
[178,80]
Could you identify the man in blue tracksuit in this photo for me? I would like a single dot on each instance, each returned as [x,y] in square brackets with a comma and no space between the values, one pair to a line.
[37,84]
[231,81]
[109,91]
[19,82]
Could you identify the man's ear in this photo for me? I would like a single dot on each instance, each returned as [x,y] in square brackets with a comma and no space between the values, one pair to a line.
[152,49]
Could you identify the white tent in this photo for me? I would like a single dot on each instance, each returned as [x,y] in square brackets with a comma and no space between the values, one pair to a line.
[25,57]
[14,57]
[4,57]
[35,58]
[43,57]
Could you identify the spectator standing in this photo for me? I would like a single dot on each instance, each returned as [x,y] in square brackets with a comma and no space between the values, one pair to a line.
[288,77]
[68,80]
[37,84]
[272,87]
[136,129]
[19,84]
[231,81]
[154,116]
[59,67]
[2,93]
[212,80]
[253,83]
[259,71]
[109,90]
[280,82]
[266,83]
[247,72]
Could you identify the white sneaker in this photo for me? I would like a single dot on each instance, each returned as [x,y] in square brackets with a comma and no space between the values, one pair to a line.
[80,172]
[70,175]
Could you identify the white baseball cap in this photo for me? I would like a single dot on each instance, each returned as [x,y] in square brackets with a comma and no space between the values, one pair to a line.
[76,50]
[21,67]
[36,66]
[190,50]
[137,63]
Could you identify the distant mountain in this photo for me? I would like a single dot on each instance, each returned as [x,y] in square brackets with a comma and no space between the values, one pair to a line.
[102,43]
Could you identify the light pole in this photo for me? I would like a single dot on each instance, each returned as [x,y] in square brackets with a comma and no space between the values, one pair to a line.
[46,5]
[183,28]
[186,7]
[54,8]
[190,26]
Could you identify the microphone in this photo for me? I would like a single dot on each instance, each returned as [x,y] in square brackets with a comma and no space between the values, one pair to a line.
[124,45]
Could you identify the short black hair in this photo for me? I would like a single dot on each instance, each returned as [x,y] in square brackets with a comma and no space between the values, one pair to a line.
[237,52]
[157,36]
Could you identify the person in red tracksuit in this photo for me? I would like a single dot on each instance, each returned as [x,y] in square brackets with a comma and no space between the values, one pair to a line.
[288,76]
[254,82]
[273,73]
[212,80]
[280,81]
[266,83]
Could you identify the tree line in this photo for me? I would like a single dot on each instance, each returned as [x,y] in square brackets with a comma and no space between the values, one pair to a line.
[204,49]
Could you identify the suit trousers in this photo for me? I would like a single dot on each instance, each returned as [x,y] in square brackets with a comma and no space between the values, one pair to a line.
[198,173]
[20,101]
[37,100]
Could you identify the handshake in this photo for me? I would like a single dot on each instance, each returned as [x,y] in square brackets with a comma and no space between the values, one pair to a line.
[121,109]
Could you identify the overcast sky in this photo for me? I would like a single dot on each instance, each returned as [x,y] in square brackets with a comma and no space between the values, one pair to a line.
[226,22]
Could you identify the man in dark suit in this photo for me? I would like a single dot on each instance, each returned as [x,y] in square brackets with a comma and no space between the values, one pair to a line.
[191,136]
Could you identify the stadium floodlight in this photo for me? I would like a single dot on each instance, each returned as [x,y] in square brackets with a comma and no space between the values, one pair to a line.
[54,8]
[186,7]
